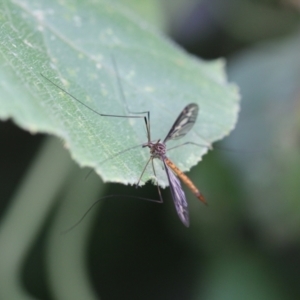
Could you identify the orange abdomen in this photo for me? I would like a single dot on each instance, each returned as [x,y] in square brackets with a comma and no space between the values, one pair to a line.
[185,180]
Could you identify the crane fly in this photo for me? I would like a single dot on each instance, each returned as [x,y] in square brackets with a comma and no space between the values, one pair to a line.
[180,128]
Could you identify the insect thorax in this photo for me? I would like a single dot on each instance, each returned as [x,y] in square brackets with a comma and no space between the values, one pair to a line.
[157,149]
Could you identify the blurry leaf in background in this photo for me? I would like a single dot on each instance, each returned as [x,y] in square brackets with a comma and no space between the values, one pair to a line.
[257,20]
[241,273]
[214,28]
[268,130]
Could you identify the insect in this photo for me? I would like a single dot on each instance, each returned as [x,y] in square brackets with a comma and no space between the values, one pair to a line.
[180,128]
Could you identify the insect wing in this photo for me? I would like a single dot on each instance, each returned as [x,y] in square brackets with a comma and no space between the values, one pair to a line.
[184,122]
[178,196]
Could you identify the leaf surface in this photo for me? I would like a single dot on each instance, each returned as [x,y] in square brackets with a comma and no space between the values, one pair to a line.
[72,44]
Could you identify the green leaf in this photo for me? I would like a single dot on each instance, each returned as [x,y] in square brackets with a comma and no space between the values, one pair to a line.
[72,43]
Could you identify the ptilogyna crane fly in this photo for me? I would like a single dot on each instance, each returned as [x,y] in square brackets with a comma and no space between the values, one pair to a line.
[180,128]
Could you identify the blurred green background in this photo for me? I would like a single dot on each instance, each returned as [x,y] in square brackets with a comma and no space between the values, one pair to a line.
[244,245]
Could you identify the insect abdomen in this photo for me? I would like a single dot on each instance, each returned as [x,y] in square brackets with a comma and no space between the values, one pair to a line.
[185,180]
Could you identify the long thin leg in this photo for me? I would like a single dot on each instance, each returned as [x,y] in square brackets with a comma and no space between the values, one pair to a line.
[147,121]
[158,189]
[91,109]
[146,118]
[103,198]
[137,184]
[121,89]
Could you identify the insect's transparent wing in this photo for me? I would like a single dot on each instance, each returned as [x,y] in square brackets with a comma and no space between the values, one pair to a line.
[178,196]
[184,122]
